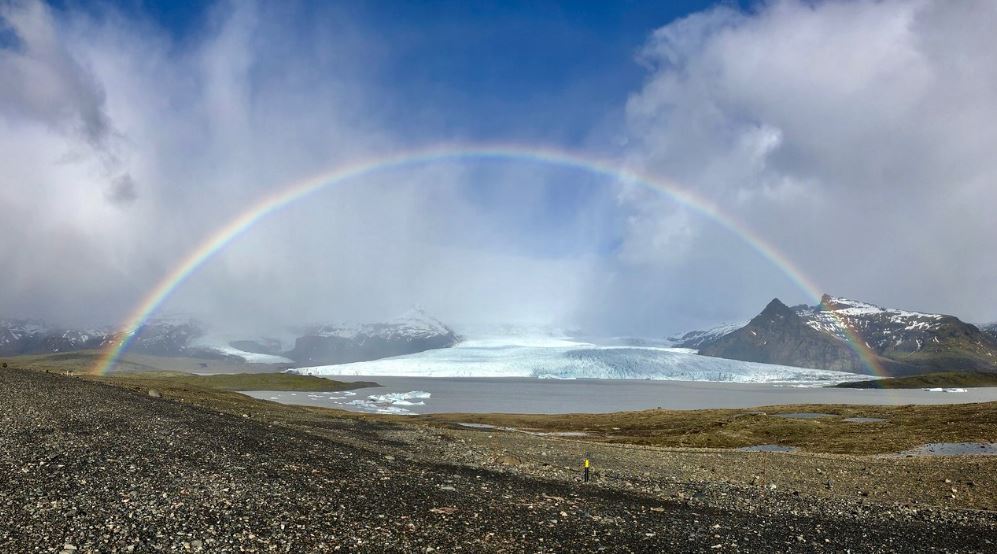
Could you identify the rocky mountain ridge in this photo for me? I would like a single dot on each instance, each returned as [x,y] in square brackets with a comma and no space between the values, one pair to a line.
[824,336]
[165,337]
[696,339]
[990,329]
[413,332]
[185,337]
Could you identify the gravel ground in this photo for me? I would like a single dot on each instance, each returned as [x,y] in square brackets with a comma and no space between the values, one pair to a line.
[90,467]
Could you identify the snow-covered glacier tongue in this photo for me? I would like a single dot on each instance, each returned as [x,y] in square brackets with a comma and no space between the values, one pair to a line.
[566,358]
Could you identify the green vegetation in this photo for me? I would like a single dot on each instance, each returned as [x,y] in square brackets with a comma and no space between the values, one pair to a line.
[83,361]
[904,426]
[954,353]
[929,380]
[238,381]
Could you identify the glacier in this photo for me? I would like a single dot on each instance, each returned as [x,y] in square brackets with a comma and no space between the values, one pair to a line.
[568,358]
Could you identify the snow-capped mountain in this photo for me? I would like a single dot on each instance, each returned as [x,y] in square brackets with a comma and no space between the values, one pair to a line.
[817,336]
[25,336]
[186,337]
[167,337]
[164,337]
[695,339]
[990,330]
[415,331]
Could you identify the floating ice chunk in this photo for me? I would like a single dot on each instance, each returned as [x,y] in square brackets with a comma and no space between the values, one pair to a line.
[399,397]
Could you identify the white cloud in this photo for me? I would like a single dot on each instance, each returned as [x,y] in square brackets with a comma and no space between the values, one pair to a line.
[853,135]
[200,130]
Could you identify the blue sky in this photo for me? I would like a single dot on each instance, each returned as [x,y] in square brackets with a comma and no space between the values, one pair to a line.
[484,70]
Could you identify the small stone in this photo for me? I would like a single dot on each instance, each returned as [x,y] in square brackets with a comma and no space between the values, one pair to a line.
[508,460]
[155,393]
[772,486]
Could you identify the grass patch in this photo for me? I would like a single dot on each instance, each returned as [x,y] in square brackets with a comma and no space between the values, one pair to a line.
[239,381]
[929,380]
[83,361]
[904,426]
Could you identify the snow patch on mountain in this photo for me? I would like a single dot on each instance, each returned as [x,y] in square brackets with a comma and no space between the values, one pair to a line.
[414,324]
[222,347]
[695,339]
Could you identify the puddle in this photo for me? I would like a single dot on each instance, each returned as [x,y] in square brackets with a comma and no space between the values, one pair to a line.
[476,425]
[767,448]
[804,415]
[953,449]
[864,420]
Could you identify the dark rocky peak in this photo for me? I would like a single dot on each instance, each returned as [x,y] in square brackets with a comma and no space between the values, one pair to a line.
[774,312]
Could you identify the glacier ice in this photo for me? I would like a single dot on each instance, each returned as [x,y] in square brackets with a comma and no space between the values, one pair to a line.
[565,358]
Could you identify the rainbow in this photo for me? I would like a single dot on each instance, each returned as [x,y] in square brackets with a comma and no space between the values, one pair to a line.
[295,191]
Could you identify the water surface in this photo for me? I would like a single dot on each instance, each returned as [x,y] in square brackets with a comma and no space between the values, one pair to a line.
[550,396]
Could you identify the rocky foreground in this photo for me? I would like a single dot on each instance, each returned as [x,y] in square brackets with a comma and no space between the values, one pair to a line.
[91,467]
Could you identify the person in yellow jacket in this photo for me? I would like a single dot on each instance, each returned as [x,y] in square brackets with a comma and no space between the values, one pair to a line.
[586,464]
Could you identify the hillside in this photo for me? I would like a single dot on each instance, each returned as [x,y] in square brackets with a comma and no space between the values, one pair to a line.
[904,342]
[413,332]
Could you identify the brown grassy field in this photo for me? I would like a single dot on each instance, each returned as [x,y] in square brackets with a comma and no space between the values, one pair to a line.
[928,380]
[903,427]
[84,360]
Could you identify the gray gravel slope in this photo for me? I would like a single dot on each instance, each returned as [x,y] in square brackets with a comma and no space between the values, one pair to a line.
[105,469]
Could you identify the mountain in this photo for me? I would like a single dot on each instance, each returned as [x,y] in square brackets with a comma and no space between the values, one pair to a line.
[779,335]
[414,332]
[904,342]
[25,336]
[167,337]
[184,337]
[161,337]
[990,330]
[696,339]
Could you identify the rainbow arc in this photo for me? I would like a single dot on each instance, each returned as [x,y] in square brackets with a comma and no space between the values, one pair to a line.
[292,192]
